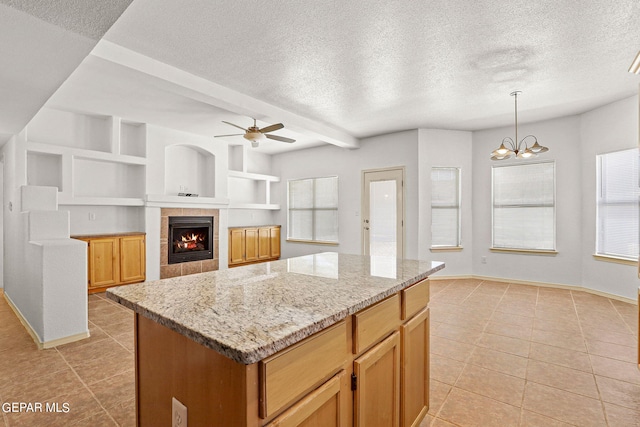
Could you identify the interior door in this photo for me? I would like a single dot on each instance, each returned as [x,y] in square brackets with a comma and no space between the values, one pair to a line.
[383,212]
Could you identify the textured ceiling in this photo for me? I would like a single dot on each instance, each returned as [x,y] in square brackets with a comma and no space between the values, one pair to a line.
[42,43]
[371,66]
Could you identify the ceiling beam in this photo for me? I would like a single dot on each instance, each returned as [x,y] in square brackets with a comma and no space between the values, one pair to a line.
[219,96]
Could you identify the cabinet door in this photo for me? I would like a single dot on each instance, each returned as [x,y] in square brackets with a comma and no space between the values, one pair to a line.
[132,259]
[264,243]
[251,244]
[327,406]
[377,394]
[236,246]
[415,372]
[275,242]
[104,262]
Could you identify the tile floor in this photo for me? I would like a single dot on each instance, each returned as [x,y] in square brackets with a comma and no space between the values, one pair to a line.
[513,355]
[502,355]
[94,376]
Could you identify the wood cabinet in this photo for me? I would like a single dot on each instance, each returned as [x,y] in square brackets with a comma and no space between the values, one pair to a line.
[115,260]
[415,369]
[249,245]
[323,407]
[370,369]
[377,394]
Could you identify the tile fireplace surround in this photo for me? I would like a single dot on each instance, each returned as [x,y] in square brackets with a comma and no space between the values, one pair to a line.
[184,268]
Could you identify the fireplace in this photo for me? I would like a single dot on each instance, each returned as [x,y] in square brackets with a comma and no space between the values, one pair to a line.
[190,238]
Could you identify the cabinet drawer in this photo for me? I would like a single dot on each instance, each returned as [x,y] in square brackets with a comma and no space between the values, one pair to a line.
[415,298]
[373,323]
[287,375]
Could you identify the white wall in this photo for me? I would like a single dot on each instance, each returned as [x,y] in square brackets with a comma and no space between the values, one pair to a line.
[105,219]
[445,148]
[160,181]
[397,149]
[610,128]
[562,136]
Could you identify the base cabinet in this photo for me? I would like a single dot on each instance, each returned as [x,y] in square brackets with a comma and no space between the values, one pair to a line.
[415,369]
[324,407]
[115,260]
[249,245]
[369,370]
[377,394]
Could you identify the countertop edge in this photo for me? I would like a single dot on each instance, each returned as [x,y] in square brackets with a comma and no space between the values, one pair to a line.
[260,353]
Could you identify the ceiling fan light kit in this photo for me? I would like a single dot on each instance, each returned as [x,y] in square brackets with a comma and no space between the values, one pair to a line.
[255,135]
[635,66]
[515,147]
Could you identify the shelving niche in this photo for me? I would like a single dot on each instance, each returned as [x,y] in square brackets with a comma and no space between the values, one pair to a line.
[92,160]
[248,190]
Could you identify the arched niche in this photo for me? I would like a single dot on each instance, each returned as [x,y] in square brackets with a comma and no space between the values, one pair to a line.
[189,169]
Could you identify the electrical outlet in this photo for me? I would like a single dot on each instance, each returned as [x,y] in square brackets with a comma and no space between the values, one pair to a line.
[178,413]
[483,260]
[92,216]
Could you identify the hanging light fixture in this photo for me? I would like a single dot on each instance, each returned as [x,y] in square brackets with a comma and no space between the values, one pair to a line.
[515,147]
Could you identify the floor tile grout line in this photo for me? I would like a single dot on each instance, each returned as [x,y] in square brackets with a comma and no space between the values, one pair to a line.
[86,386]
[624,322]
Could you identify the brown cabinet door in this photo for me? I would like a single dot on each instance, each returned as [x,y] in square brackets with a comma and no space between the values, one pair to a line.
[264,243]
[236,246]
[251,244]
[415,375]
[104,261]
[326,406]
[132,259]
[275,242]
[377,394]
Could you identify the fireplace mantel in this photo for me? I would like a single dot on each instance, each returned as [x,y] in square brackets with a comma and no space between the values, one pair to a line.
[167,201]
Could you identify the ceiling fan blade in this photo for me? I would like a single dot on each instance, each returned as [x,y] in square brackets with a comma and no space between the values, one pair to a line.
[233,134]
[234,125]
[280,138]
[272,128]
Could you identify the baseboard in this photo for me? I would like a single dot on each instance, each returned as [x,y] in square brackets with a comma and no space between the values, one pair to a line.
[539,284]
[47,344]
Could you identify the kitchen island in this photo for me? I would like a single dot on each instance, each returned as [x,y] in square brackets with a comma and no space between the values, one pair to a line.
[329,338]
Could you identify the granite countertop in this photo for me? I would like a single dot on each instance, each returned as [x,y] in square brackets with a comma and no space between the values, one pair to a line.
[249,313]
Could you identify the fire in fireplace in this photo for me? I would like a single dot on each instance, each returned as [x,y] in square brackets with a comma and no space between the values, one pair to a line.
[190,238]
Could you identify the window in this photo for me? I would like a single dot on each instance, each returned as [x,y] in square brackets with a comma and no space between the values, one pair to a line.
[617,204]
[445,207]
[524,206]
[313,210]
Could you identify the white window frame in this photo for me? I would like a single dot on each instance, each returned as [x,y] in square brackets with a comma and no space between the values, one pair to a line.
[547,251]
[313,210]
[457,205]
[600,253]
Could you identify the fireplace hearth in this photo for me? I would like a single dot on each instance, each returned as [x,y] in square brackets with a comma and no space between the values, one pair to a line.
[190,238]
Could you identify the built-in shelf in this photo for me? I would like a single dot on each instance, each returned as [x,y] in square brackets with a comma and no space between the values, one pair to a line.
[253,176]
[163,200]
[68,200]
[81,153]
[271,206]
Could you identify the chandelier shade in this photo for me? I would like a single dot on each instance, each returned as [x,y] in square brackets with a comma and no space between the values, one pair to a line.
[510,147]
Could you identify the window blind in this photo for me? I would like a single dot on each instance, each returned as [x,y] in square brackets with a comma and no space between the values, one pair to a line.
[524,206]
[445,207]
[617,204]
[313,209]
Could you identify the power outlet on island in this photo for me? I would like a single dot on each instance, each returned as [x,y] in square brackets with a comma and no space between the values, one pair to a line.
[178,413]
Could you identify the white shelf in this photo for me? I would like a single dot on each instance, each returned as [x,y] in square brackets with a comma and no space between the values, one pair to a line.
[80,153]
[253,176]
[163,200]
[271,206]
[65,199]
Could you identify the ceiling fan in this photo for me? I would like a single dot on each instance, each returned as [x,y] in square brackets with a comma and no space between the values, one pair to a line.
[255,134]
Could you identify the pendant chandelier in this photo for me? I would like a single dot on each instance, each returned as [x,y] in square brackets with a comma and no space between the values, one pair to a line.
[520,149]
